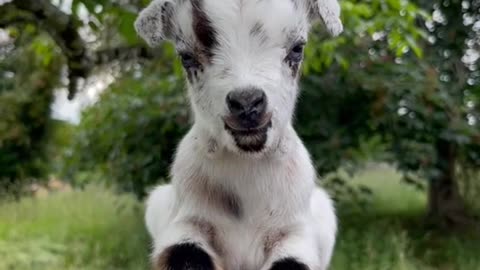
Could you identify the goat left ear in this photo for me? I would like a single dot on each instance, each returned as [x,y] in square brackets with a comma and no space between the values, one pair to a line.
[329,11]
[156,22]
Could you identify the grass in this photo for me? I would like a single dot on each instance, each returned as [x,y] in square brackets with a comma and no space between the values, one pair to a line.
[389,234]
[96,229]
[91,229]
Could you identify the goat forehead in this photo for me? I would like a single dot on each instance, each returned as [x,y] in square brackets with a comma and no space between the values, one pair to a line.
[237,22]
[240,14]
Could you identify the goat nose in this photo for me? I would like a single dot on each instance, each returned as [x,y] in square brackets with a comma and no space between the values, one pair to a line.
[251,103]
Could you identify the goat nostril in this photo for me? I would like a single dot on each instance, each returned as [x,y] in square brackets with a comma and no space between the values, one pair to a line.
[247,103]
[234,105]
[259,103]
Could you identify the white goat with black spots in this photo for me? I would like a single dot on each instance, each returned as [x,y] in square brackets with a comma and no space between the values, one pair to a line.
[243,194]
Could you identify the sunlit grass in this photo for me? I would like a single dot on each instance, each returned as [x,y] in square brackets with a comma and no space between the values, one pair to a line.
[92,229]
[389,194]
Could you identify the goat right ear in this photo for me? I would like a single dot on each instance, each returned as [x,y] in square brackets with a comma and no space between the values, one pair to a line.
[156,22]
[329,13]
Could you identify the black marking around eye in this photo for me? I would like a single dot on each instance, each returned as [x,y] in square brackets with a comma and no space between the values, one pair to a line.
[203,28]
[192,75]
[294,57]
[295,67]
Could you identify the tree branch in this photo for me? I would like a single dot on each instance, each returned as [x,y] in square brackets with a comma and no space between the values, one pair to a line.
[63,28]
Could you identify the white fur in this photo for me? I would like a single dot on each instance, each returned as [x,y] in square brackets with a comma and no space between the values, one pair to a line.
[275,186]
[329,11]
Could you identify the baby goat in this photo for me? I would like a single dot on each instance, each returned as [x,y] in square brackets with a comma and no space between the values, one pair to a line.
[243,193]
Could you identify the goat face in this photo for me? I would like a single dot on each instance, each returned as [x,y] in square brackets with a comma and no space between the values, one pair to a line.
[242,61]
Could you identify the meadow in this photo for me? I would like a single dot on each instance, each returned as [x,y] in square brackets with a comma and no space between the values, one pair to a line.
[96,228]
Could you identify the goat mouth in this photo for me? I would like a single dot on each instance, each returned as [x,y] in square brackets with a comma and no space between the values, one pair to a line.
[234,127]
[249,139]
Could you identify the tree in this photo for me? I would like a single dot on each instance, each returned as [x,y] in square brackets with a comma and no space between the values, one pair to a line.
[458,138]
[46,49]
[130,135]
[26,91]
[100,20]
[401,77]
[416,99]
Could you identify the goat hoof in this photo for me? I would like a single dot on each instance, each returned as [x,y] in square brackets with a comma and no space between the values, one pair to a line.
[288,264]
[185,256]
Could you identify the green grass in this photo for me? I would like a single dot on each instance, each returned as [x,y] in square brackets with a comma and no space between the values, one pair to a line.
[96,229]
[93,229]
[390,233]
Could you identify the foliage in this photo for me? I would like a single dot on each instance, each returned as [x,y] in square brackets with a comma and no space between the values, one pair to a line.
[131,133]
[412,92]
[40,53]
[342,77]
[401,82]
[29,71]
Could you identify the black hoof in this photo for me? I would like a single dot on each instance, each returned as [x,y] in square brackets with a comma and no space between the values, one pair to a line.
[289,264]
[186,256]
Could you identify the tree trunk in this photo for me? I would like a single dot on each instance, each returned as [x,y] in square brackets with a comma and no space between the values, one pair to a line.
[446,207]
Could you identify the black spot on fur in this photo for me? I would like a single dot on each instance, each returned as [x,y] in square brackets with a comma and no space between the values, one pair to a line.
[218,198]
[188,256]
[273,238]
[289,264]
[209,231]
[231,202]
[202,26]
[256,29]
[225,72]
[234,206]
[259,32]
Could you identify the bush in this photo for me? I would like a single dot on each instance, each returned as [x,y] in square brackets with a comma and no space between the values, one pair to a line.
[28,74]
[130,134]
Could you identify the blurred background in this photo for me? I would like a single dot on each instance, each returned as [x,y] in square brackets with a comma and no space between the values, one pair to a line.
[90,117]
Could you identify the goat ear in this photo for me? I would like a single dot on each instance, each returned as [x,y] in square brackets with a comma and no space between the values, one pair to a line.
[156,22]
[329,12]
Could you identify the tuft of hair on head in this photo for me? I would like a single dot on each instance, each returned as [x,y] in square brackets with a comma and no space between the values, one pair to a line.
[329,12]
[156,22]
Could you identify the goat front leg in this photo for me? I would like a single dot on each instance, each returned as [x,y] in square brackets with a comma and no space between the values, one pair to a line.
[179,243]
[310,244]
[184,246]
[296,252]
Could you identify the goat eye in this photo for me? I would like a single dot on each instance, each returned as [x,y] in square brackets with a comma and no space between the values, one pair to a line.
[296,53]
[188,61]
